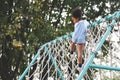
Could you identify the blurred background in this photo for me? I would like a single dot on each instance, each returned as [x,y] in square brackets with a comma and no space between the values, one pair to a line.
[27,24]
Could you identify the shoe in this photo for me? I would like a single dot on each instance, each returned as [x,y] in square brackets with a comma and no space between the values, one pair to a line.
[79,69]
[70,55]
[80,65]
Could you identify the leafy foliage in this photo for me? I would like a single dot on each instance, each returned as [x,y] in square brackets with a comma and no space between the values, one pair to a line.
[27,24]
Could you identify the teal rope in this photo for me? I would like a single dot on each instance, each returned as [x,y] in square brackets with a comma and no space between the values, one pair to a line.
[28,67]
[38,53]
[54,63]
[107,18]
[85,68]
[116,15]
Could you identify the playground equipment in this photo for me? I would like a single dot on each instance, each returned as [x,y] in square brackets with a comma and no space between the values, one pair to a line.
[101,55]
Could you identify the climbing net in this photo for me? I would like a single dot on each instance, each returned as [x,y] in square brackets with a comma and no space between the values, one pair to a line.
[107,56]
[52,63]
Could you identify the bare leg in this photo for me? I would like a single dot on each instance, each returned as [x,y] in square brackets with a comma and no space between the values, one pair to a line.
[72,47]
[80,48]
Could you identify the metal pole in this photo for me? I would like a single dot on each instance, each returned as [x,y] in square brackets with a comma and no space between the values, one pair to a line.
[85,68]
[104,67]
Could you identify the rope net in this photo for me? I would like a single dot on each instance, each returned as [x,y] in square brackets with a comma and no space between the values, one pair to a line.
[54,64]
[108,55]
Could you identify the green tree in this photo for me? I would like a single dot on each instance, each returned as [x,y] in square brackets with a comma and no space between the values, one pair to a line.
[27,24]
